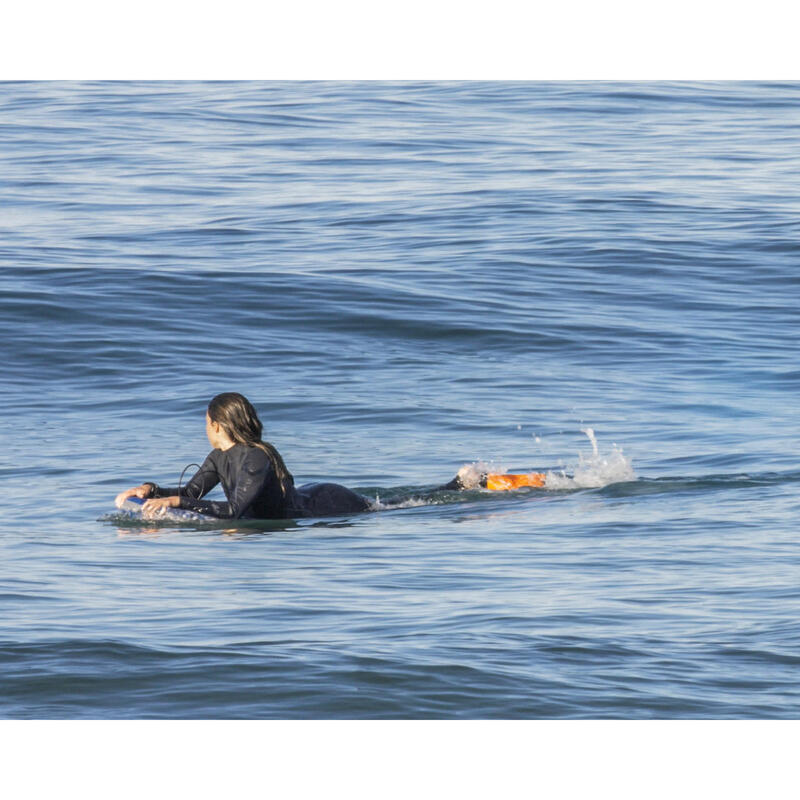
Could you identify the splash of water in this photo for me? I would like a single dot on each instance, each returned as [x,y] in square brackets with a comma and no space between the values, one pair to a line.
[595,471]
[592,438]
[591,472]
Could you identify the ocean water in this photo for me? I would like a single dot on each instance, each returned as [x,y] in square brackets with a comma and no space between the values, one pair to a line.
[404,278]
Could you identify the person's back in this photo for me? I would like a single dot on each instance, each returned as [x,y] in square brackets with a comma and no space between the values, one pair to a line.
[248,479]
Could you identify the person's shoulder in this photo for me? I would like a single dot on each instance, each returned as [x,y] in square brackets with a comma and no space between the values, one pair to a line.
[254,455]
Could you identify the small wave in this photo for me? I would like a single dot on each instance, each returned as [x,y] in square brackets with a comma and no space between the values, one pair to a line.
[704,483]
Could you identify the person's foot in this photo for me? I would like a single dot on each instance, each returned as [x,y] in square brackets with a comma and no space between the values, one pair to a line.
[468,477]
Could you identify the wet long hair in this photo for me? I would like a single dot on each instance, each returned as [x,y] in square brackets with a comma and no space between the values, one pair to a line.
[237,417]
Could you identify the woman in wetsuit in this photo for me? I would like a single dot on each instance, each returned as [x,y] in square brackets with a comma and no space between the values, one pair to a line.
[255,480]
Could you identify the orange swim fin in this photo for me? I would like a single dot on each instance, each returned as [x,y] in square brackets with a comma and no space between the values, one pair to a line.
[502,483]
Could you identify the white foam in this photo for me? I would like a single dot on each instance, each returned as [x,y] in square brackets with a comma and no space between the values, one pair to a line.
[412,502]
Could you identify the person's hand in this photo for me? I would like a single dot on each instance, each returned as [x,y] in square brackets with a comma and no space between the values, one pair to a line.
[156,506]
[137,491]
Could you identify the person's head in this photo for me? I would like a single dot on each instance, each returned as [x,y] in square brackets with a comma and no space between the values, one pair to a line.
[231,419]
[231,416]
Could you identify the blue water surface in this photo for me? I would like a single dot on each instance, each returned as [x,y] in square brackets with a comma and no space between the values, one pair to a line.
[404,278]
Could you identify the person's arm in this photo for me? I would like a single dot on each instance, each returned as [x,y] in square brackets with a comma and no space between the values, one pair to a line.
[256,472]
[202,482]
[159,498]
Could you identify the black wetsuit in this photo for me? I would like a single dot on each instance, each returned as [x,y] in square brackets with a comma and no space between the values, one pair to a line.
[254,492]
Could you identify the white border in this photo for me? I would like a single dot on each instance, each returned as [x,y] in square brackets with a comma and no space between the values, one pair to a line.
[415,39]
[402,759]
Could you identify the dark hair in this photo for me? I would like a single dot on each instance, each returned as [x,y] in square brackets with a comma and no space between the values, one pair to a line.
[237,417]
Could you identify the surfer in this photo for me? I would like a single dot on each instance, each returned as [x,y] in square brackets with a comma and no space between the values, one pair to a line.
[255,479]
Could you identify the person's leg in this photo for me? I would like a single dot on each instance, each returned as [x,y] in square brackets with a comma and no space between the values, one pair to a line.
[327,499]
